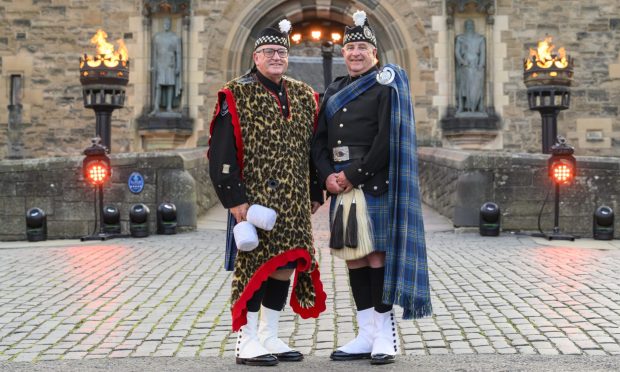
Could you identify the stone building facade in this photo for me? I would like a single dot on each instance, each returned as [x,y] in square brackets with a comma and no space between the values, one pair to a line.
[41,42]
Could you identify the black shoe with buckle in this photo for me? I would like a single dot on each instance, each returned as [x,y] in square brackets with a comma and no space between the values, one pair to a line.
[261,360]
[340,355]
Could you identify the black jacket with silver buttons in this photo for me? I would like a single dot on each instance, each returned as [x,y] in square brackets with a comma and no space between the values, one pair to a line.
[365,121]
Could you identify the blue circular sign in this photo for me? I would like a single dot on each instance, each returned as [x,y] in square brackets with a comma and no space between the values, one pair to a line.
[136,182]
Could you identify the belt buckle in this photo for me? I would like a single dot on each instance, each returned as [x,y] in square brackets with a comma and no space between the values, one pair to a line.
[341,153]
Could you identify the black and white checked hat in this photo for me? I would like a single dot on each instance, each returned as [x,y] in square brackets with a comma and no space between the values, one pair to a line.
[361,31]
[273,36]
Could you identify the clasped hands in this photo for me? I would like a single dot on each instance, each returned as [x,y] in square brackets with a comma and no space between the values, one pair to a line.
[337,183]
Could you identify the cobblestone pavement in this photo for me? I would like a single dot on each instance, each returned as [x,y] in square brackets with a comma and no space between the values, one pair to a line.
[168,296]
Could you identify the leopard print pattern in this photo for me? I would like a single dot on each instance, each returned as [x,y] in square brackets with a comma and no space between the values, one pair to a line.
[276,175]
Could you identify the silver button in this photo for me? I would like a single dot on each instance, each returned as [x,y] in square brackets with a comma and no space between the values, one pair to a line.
[228,187]
[359,170]
[341,125]
[375,187]
[387,181]
[344,109]
[283,107]
[339,142]
[366,173]
[279,93]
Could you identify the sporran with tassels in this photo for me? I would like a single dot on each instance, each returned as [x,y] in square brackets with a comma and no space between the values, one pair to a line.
[354,239]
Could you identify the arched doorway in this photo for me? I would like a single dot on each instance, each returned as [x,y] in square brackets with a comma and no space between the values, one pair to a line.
[394,46]
[403,28]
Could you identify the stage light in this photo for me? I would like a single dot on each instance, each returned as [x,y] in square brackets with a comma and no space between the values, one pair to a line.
[97,171]
[167,219]
[139,220]
[36,225]
[603,223]
[96,165]
[562,168]
[111,220]
[489,221]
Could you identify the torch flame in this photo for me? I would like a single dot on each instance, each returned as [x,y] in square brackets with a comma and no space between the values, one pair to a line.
[544,56]
[105,51]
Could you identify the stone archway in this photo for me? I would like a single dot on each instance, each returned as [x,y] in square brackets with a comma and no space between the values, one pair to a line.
[394,46]
[403,30]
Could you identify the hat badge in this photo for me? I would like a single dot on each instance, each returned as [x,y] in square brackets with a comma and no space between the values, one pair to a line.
[367,32]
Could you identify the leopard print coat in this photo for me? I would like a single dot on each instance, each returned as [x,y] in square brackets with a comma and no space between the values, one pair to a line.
[274,155]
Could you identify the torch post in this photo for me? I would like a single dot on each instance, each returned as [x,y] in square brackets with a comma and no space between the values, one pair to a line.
[104,78]
[548,77]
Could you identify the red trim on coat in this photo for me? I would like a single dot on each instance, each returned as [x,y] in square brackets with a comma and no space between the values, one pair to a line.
[232,109]
[240,310]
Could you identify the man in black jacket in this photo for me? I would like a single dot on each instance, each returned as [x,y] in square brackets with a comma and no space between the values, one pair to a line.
[351,150]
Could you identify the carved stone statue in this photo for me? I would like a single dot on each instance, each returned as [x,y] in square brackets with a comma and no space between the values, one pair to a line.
[166,68]
[470,53]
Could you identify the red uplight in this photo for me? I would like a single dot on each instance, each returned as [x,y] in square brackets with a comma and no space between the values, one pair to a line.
[562,171]
[97,172]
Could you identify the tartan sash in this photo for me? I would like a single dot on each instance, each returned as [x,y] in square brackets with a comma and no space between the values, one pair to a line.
[349,93]
[406,270]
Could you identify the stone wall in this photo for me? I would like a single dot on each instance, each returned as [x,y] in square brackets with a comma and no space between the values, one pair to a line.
[53,121]
[456,183]
[58,187]
[590,32]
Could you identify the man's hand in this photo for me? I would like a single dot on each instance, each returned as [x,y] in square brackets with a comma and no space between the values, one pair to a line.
[331,183]
[315,206]
[343,182]
[240,212]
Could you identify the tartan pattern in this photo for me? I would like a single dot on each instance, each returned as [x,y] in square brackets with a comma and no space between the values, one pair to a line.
[406,270]
[349,93]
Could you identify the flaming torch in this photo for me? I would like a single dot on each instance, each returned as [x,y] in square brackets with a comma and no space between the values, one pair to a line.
[104,77]
[548,76]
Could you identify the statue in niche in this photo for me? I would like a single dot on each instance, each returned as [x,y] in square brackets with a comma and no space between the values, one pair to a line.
[166,68]
[470,53]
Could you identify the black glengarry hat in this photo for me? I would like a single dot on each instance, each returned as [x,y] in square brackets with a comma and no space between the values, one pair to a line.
[361,31]
[273,36]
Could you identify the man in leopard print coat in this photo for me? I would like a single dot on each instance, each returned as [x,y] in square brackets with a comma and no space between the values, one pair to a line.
[259,153]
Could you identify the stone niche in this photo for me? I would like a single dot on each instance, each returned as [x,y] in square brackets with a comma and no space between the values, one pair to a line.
[470,120]
[165,122]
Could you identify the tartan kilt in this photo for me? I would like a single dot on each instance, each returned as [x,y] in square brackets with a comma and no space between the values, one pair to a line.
[378,211]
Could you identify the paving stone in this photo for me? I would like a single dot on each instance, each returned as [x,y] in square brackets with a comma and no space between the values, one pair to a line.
[168,296]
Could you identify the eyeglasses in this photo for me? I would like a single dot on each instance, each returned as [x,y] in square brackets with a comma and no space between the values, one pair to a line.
[269,52]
